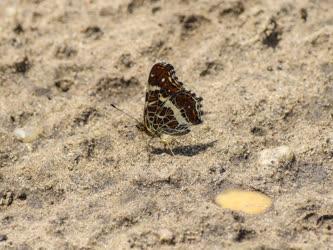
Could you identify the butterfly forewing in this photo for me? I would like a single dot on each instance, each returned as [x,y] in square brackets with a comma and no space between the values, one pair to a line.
[162,77]
[169,108]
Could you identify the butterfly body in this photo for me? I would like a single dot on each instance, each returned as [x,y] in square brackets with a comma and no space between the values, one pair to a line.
[169,108]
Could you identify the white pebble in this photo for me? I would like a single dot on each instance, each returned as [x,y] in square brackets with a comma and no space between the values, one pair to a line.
[28,134]
[275,157]
[166,236]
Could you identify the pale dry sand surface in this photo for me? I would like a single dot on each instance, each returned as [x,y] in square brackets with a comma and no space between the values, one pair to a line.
[81,179]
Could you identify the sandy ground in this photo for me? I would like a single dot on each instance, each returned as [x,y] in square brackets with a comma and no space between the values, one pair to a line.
[83,181]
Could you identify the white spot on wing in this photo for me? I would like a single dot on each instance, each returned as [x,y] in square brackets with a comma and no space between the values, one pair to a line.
[163,79]
[154,87]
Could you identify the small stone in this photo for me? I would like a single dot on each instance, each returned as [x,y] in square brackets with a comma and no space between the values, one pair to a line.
[6,199]
[3,237]
[64,84]
[304,14]
[93,32]
[258,131]
[22,66]
[18,29]
[275,157]
[329,138]
[166,236]
[22,196]
[274,163]
[27,134]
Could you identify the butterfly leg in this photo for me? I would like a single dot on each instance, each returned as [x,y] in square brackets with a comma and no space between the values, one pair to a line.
[170,149]
[168,143]
[148,147]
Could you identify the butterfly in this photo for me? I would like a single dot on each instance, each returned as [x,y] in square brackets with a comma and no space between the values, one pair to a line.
[169,109]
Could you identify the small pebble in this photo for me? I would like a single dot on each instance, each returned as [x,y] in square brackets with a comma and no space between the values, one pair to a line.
[22,196]
[28,134]
[64,84]
[244,201]
[166,236]
[269,68]
[6,199]
[3,237]
[329,139]
[275,157]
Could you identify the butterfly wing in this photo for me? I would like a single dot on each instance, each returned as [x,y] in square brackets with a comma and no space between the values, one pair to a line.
[169,108]
[179,112]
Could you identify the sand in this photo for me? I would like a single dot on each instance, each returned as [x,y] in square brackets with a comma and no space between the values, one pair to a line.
[74,172]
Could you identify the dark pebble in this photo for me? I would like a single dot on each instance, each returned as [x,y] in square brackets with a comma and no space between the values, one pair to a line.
[22,196]
[3,237]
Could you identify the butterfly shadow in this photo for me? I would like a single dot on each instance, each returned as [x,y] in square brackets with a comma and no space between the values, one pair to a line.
[189,150]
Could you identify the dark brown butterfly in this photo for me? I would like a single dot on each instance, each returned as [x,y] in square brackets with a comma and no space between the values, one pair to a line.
[169,108]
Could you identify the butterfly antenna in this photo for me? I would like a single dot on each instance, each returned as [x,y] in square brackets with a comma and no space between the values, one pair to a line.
[124,112]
